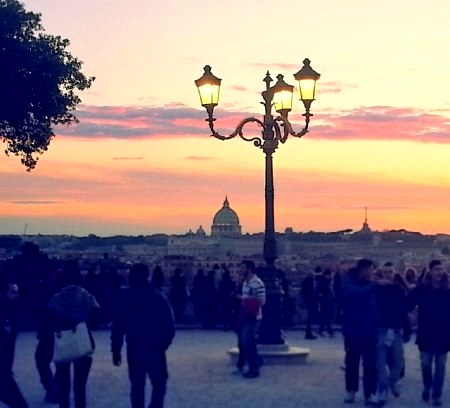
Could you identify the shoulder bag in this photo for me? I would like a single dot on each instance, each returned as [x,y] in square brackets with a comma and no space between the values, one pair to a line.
[72,344]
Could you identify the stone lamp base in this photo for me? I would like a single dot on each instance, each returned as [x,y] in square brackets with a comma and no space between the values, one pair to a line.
[277,354]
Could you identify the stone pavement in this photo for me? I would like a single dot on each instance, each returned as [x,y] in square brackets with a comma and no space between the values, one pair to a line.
[200,376]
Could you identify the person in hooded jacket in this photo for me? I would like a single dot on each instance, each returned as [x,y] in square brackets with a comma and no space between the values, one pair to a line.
[70,306]
[144,317]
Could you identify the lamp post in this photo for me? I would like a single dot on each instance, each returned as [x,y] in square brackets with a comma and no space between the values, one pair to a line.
[274,130]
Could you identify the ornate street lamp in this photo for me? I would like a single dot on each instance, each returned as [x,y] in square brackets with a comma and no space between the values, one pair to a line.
[208,88]
[274,130]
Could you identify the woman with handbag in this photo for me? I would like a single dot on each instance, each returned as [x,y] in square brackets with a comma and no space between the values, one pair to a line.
[71,313]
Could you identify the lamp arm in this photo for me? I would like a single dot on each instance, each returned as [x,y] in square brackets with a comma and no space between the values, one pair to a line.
[237,131]
[288,130]
[278,136]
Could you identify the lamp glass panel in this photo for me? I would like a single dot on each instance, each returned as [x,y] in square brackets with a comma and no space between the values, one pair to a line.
[282,100]
[209,94]
[306,89]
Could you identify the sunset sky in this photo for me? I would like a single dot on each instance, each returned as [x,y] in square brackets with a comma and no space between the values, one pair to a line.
[141,160]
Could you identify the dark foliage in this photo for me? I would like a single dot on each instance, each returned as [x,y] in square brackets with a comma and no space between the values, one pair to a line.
[38,81]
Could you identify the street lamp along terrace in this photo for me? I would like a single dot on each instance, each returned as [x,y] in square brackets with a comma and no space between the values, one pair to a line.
[274,130]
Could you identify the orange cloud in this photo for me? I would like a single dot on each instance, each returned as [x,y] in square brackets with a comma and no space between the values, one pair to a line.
[173,200]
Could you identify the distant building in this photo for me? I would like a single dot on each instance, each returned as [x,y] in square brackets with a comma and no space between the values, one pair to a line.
[226,238]
[365,228]
[226,223]
[193,244]
[200,232]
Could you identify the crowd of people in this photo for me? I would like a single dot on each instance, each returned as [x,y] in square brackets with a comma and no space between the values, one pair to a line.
[141,315]
[376,307]
[214,296]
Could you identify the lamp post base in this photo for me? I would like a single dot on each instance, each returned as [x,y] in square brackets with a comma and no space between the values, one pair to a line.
[270,328]
[276,354]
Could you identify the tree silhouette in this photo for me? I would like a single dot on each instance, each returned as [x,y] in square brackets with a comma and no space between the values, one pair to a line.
[38,81]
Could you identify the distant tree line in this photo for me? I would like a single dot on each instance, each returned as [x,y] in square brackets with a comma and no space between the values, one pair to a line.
[14,242]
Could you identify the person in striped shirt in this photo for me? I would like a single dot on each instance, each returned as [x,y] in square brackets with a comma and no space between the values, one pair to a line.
[253,298]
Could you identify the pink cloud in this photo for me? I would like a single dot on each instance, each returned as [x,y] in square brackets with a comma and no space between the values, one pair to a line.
[293,68]
[362,123]
[240,88]
[385,123]
[334,86]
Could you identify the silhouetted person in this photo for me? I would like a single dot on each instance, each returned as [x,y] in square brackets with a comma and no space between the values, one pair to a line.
[392,309]
[360,330]
[44,349]
[238,322]
[309,294]
[70,306]
[400,281]
[226,299]
[199,288]
[145,319]
[432,298]
[91,281]
[253,298]
[337,290]
[211,300]
[109,287]
[31,266]
[158,280]
[288,304]
[325,296]
[43,359]
[178,294]
[9,391]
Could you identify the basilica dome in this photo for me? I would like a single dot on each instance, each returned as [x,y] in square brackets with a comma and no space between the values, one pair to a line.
[226,222]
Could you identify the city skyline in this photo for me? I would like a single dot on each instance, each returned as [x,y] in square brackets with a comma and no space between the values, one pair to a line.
[141,160]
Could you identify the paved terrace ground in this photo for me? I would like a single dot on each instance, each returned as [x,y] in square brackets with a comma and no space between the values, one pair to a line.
[201,376]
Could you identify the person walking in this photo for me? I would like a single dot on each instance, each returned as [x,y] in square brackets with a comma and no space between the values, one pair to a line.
[43,358]
[178,294]
[238,321]
[359,327]
[9,391]
[44,349]
[326,301]
[199,294]
[288,304]
[69,307]
[253,298]
[211,300]
[392,308]
[226,295]
[309,296]
[144,317]
[158,279]
[337,288]
[432,298]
